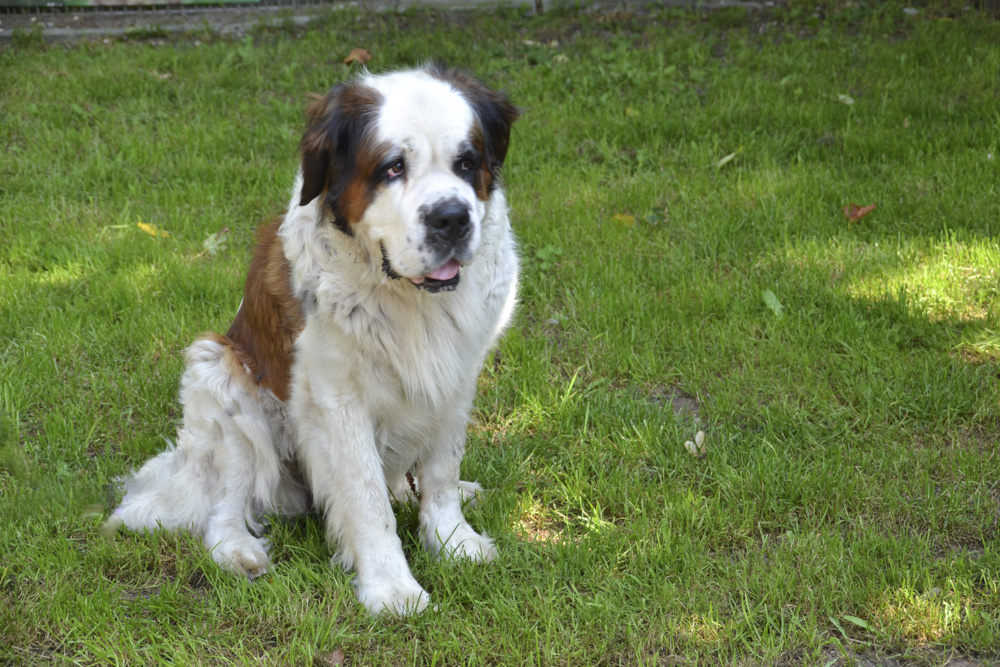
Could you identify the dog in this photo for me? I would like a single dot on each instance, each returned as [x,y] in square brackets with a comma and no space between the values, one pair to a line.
[347,377]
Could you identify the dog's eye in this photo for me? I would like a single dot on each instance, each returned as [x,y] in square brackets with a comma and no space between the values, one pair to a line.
[466,165]
[395,171]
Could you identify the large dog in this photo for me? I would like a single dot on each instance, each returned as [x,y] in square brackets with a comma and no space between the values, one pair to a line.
[350,369]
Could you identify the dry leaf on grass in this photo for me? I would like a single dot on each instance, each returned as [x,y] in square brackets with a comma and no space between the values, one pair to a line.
[358,55]
[330,659]
[153,230]
[215,243]
[855,212]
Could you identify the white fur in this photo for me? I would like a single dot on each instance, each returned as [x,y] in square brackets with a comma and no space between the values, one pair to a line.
[382,383]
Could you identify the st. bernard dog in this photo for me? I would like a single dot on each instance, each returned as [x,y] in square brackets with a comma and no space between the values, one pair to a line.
[349,372]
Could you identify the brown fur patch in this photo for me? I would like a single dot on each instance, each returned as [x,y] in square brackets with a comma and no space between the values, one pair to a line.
[483,183]
[268,321]
[339,153]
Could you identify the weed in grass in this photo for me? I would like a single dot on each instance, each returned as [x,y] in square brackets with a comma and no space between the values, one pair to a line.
[28,38]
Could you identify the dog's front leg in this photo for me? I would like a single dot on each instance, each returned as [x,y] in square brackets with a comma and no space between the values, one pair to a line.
[338,452]
[443,526]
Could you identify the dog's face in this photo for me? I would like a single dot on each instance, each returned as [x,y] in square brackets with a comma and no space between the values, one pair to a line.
[408,161]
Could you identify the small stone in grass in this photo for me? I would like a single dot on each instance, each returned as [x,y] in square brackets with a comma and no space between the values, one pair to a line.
[697,448]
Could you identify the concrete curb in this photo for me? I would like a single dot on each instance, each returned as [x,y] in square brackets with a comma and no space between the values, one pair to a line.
[67,25]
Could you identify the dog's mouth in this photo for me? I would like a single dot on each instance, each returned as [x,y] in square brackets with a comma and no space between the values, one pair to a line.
[442,279]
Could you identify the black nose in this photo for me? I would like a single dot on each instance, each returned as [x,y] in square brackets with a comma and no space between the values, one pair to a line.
[450,219]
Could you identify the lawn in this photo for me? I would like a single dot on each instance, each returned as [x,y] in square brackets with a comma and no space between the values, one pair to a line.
[678,183]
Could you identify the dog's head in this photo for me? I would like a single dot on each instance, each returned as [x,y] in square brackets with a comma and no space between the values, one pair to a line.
[409,159]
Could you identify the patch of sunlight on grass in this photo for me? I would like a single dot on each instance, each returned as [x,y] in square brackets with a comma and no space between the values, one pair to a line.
[594,522]
[700,628]
[927,617]
[984,348]
[946,280]
[537,523]
[65,275]
[142,277]
[764,184]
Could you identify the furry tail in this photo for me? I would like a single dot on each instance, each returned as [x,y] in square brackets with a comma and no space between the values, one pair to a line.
[172,491]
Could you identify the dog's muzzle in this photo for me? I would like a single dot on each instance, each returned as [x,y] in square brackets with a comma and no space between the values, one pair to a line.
[445,278]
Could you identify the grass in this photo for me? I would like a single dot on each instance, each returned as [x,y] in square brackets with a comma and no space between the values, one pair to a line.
[845,373]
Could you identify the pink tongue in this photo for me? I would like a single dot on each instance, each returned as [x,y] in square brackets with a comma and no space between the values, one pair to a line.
[446,272]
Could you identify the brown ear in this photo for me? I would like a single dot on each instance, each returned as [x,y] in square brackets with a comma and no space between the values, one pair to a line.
[316,147]
[337,131]
[495,112]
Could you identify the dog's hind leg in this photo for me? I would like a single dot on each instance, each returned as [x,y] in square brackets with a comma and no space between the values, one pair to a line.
[224,469]
[227,532]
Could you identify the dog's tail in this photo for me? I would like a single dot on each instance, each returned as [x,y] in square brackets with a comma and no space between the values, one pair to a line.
[170,491]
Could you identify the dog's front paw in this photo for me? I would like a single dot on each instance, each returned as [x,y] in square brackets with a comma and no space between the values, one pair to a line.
[398,598]
[244,554]
[462,542]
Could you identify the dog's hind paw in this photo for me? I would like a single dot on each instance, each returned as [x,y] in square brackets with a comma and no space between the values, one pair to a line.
[244,555]
[470,493]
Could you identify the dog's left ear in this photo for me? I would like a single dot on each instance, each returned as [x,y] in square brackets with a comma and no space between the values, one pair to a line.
[495,112]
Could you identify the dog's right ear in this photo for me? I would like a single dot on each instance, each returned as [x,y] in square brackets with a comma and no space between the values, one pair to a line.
[338,127]
[315,147]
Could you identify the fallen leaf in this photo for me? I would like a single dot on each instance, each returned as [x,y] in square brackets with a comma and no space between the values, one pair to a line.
[623,219]
[772,302]
[855,212]
[153,230]
[656,215]
[358,55]
[215,243]
[857,621]
[331,659]
[727,159]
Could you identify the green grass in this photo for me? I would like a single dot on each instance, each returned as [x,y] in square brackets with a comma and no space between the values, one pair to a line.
[848,504]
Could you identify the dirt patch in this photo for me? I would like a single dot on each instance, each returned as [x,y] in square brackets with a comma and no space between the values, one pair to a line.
[65,26]
[681,402]
[928,657]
